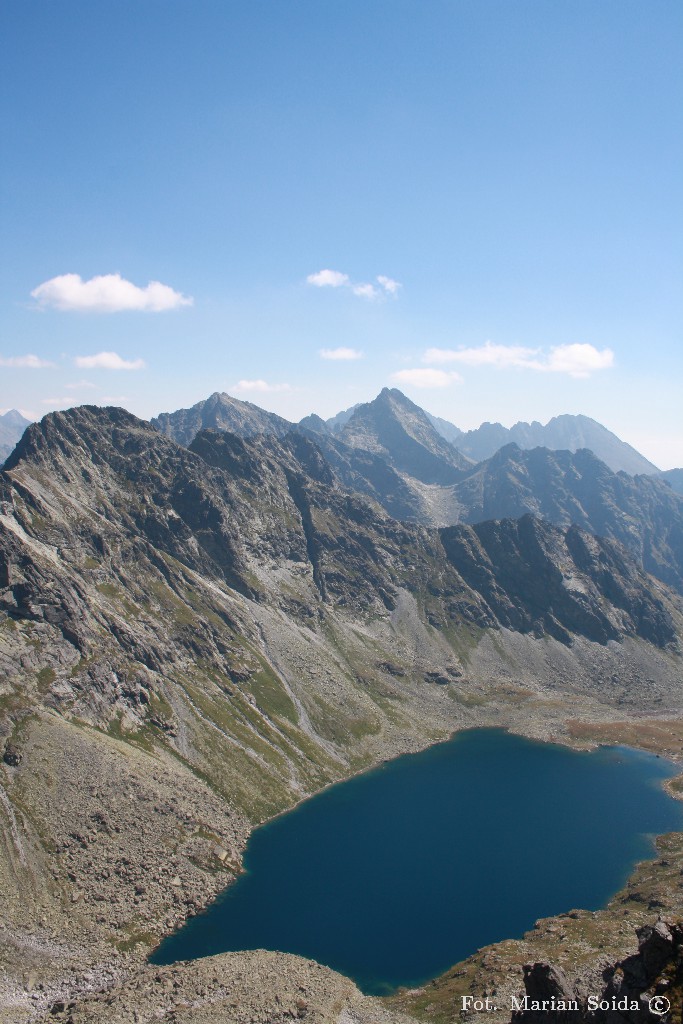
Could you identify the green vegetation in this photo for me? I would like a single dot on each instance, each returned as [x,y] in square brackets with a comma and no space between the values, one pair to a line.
[46,678]
[136,938]
[464,638]
[142,738]
[270,693]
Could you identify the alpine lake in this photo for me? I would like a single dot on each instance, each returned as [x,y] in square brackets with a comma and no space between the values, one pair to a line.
[397,874]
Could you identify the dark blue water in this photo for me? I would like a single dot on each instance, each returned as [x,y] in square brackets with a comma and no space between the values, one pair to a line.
[397,874]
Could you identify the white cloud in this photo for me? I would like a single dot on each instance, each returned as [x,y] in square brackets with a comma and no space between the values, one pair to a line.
[108,361]
[579,360]
[62,403]
[575,360]
[328,279]
[261,386]
[340,353]
[363,289]
[108,293]
[81,385]
[29,362]
[486,355]
[426,378]
[389,284]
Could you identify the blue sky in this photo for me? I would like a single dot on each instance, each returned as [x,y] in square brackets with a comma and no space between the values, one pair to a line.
[493,188]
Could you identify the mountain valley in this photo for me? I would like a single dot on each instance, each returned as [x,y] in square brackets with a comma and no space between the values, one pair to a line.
[203,623]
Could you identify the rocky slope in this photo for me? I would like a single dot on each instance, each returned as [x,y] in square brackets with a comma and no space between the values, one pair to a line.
[389,451]
[395,428]
[641,512]
[221,412]
[192,640]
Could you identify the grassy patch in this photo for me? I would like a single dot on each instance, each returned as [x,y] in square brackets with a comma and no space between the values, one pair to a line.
[46,678]
[271,695]
[464,639]
[182,615]
[141,738]
[136,938]
[661,736]
[467,700]
[334,725]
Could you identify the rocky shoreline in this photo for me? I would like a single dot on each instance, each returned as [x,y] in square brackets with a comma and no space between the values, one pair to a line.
[92,982]
[192,641]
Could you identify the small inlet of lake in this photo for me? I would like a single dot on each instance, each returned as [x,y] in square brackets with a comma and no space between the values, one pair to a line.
[397,874]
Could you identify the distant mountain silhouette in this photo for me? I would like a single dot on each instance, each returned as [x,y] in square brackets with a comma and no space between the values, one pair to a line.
[561,433]
[674,478]
[12,426]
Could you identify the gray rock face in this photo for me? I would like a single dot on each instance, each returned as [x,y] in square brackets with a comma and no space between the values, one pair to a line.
[220,412]
[446,429]
[229,504]
[12,426]
[533,581]
[642,512]
[547,985]
[335,423]
[390,451]
[630,995]
[395,428]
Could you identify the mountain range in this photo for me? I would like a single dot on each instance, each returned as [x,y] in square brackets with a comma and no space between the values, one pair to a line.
[561,433]
[223,412]
[390,450]
[194,636]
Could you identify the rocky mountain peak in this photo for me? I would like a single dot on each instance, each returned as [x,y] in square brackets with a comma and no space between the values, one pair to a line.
[220,411]
[12,426]
[397,429]
[88,429]
[13,418]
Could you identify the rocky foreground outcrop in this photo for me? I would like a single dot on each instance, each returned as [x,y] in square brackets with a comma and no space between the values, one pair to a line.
[193,640]
[644,987]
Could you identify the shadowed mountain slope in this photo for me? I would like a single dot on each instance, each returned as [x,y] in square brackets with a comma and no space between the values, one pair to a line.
[229,509]
[641,512]
[390,451]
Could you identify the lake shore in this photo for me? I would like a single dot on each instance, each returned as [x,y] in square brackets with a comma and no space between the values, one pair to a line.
[62,955]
